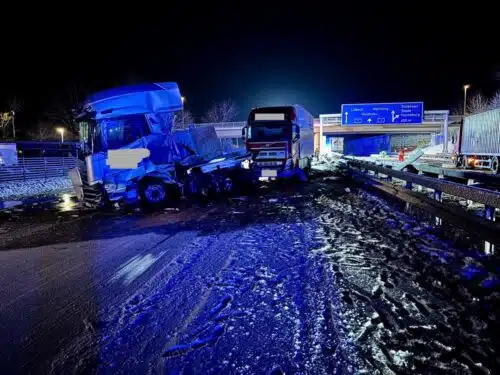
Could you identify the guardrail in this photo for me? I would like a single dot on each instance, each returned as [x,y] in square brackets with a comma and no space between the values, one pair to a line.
[37,168]
[487,197]
[488,228]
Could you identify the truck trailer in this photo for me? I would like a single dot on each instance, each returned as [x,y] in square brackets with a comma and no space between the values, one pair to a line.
[479,141]
[129,152]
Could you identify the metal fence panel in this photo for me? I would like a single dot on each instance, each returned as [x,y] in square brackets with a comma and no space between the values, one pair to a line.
[37,168]
[481,134]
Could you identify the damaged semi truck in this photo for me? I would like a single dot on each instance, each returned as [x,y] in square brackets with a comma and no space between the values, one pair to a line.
[130,153]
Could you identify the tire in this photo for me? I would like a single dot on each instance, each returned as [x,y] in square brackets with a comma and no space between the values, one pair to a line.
[307,170]
[153,193]
[495,167]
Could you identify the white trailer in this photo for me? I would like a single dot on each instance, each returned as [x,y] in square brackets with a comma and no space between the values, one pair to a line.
[480,141]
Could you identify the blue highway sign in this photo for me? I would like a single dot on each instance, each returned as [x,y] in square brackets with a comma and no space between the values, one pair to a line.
[383,113]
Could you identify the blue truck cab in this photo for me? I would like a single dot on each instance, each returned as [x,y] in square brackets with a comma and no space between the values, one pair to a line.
[130,153]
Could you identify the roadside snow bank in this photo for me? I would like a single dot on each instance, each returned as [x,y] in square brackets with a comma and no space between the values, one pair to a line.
[30,188]
[332,163]
[438,149]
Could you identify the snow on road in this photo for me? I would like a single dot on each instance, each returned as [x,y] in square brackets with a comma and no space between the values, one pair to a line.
[412,303]
[319,279]
[233,299]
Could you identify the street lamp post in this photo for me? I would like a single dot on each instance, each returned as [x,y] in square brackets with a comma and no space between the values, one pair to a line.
[183,100]
[465,97]
[14,124]
[61,131]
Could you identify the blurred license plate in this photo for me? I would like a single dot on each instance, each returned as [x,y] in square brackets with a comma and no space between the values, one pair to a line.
[269,173]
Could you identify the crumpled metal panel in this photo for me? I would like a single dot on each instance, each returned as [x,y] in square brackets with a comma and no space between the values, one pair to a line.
[202,140]
[136,99]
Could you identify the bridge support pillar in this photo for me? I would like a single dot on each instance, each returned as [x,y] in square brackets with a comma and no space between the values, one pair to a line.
[445,131]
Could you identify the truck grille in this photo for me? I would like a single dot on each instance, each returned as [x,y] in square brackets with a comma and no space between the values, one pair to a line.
[269,163]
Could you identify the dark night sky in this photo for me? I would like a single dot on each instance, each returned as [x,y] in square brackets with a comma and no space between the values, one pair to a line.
[316,55]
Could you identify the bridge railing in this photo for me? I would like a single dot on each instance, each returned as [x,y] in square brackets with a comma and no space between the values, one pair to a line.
[223,125]
[332,119]
[430,117]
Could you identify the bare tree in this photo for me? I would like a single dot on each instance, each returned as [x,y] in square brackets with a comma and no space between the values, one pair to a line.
[183,119]
[477,104]
[458,110]
[224,111]
[62,110]
[42,132]
[5,119]
[494,102]
[14,105]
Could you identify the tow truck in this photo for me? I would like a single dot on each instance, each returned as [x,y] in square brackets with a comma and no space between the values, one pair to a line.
[129,152]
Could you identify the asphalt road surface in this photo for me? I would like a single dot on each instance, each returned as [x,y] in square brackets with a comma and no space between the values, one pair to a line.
[313,278]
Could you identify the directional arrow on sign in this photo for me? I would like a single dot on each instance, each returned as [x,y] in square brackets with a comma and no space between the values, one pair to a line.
[346,114]
[369,120]
[394,116]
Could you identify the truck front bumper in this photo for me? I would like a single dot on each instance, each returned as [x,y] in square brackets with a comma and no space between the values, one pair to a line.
[266,173]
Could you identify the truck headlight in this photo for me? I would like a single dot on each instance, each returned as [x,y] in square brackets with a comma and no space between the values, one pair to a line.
[245,164]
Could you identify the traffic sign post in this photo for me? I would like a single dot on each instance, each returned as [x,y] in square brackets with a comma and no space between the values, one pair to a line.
[383,113]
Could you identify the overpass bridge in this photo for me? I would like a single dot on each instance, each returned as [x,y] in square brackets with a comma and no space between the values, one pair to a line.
[435,122]
[397,136]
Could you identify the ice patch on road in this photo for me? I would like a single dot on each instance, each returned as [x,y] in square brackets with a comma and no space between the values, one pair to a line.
[135,267]
[14,190]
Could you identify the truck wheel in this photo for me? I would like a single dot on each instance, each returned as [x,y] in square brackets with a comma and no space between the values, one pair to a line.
[153,192]
[495,165]
[307,169]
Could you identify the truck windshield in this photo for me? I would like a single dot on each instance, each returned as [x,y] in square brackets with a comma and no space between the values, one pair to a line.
[122,131]
[270,131]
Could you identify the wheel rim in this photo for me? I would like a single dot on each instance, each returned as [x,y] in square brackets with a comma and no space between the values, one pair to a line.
[155,193]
